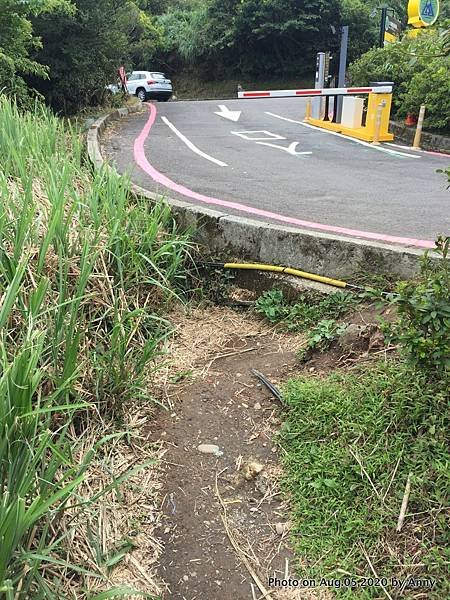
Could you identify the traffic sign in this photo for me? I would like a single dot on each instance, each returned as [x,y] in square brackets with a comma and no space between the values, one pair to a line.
[422,13]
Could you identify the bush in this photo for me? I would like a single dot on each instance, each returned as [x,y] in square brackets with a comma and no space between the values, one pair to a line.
[306,311]
[420,69]
[423,330]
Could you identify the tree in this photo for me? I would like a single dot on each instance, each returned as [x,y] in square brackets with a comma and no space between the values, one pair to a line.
[17,41]
[419,67]
[363,27]
[253,37]
[83,50]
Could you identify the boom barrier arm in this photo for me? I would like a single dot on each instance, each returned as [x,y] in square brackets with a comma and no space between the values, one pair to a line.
[387,89]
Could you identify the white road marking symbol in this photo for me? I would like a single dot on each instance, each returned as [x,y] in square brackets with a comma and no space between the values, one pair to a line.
[232,115]
[345,137]
[192,146]
[291,149]
[249,135]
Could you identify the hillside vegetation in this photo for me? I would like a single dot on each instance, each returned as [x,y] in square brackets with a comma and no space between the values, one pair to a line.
[86,270]
[67,50]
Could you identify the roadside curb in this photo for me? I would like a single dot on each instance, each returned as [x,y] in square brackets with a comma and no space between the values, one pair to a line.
[248,239]
[97,128]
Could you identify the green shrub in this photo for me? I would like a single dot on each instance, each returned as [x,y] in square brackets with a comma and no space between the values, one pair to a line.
[419,68]
[323,334]
[423,329]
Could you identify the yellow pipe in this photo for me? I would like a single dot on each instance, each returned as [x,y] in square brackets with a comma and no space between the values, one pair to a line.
[287,271]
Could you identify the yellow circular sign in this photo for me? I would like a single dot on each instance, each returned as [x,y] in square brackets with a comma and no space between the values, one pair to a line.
[422,13]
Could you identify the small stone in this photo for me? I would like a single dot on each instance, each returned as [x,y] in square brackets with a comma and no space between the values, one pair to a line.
[210,449]
[280,528]
[185,578]
[257,406]
[312,369]
[251,470]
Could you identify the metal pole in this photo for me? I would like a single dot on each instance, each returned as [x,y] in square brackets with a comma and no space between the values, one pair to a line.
[418,134]
[318,84]
[383,25]
[342,70]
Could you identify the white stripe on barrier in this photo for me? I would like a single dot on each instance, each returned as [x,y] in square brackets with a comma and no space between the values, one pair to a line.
[386,89]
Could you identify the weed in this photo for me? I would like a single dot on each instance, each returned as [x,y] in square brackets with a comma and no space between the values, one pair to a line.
[216,286]
[306,311]
[321,336]
[273,306]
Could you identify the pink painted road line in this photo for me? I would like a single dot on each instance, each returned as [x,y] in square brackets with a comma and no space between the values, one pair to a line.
[142,162]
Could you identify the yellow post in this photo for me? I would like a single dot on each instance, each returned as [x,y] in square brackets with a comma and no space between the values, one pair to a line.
[377,128]
[308,110]
[418,134]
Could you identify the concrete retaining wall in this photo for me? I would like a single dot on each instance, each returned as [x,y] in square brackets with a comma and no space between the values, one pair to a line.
[429,141]
[229,236]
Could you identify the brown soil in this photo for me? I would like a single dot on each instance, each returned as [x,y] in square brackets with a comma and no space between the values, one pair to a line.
[225,527]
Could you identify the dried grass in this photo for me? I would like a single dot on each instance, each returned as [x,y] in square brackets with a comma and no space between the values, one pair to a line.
[203,334]
[128,513]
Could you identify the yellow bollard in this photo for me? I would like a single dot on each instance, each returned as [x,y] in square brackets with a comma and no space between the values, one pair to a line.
[418,134]
[308,110]
[376,132]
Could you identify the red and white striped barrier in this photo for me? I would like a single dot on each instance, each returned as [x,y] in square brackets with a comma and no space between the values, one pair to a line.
[386,89]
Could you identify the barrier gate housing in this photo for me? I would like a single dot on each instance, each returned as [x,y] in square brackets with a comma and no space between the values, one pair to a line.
[377,113]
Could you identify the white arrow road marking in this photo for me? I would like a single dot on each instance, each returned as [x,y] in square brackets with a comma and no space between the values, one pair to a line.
[290,149]
[192,146]
[345,137]
[232,115]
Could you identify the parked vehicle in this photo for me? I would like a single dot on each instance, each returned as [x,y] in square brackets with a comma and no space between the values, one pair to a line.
[149,84]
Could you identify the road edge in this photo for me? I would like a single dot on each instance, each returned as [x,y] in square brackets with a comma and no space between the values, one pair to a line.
[234,236]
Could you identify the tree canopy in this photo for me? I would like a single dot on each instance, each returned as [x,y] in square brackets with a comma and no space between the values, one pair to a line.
[68,50]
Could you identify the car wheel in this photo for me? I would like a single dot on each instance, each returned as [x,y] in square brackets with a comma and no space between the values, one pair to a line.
[141,94]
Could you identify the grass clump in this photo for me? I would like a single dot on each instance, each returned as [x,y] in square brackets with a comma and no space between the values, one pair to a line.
[350,442]
[85,273]
[306,311]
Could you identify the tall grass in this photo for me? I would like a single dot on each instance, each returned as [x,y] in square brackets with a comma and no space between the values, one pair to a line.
[84,271]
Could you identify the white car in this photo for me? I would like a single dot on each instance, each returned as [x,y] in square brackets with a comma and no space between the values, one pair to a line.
[149,84]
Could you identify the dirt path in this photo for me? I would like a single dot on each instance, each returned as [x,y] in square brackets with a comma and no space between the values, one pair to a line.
[223,516]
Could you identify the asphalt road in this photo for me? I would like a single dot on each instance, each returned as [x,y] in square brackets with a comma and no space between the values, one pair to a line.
[256,167]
